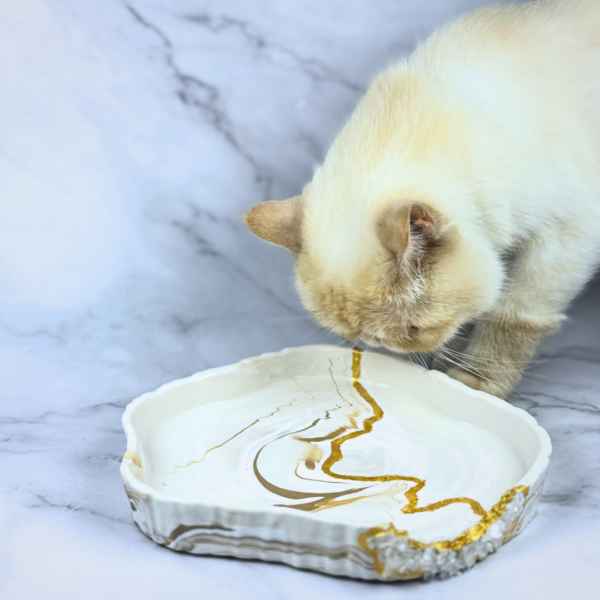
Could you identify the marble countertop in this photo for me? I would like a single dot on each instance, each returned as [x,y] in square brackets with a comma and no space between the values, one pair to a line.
[133,136]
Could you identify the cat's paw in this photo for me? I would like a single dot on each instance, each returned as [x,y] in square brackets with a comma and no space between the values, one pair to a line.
[495,388]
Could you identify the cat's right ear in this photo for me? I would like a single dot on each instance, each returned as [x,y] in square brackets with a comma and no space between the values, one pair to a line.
[279,222]
[405,229]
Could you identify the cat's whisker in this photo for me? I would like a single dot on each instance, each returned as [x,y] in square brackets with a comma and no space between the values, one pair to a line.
[526,373]
[475,369]
[414,359]
[470,359]
[538,361]
[422,361]
[472,370]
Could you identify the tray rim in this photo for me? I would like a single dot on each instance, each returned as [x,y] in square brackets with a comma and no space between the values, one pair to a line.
[532,476]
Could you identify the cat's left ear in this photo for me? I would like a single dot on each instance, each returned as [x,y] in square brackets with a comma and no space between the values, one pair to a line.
[279,222]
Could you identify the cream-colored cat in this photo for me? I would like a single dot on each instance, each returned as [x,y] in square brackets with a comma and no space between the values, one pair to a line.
[464,188]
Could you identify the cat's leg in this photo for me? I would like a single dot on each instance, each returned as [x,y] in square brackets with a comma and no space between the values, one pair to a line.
[543,279]
[500,350]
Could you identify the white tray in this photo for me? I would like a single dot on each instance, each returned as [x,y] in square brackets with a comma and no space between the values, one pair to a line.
[330,459]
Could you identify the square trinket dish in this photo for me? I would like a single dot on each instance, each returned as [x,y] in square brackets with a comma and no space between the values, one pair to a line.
[342,461]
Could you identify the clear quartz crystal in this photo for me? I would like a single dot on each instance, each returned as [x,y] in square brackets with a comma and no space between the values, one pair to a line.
[400,558]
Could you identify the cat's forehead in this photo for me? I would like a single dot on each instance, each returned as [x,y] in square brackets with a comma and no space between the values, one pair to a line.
[340,236]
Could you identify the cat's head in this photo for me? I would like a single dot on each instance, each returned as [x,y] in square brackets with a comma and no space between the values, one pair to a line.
[395,273]
[388,243]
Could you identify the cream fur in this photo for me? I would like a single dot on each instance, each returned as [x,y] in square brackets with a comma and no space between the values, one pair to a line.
[494,123]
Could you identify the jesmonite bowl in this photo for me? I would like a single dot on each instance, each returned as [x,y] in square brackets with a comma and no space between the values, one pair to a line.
[331,459]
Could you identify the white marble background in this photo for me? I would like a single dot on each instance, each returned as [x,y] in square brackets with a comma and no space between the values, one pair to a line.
[132,138]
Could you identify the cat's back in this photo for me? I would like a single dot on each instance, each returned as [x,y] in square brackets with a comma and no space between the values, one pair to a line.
[535,63]
[564,34]
[523,84]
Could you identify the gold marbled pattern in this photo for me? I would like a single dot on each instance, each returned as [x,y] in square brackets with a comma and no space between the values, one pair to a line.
[223,538]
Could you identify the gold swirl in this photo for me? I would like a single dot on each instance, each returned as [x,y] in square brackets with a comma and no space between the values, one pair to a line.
[196,462]
[324,500]
[367,426]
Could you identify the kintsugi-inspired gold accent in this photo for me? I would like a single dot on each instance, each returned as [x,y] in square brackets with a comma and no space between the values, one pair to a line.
[191,537]
[466,537]
[412,493]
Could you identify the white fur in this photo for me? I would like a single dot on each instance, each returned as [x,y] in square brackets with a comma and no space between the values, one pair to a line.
[514,161]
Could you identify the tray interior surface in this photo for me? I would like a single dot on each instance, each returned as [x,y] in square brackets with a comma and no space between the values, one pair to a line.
[340,435]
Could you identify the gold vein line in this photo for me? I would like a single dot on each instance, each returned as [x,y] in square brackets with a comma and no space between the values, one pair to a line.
[412,493]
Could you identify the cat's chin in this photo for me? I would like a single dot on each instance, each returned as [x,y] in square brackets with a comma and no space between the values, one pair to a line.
[377,343]
[372,342]
[415,347]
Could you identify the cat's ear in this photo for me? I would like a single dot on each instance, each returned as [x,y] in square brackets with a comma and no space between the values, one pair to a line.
[279,222]
[404,227]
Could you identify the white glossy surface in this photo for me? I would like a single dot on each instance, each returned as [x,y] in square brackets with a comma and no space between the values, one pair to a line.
[231,437]
[124,266]
[237,461]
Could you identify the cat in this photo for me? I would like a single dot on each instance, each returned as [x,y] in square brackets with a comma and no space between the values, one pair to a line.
[465,188]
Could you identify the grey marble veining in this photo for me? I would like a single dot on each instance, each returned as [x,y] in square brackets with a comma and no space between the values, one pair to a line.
[134,135]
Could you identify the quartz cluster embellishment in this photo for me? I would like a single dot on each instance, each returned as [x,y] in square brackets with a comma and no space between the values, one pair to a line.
[400,558]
